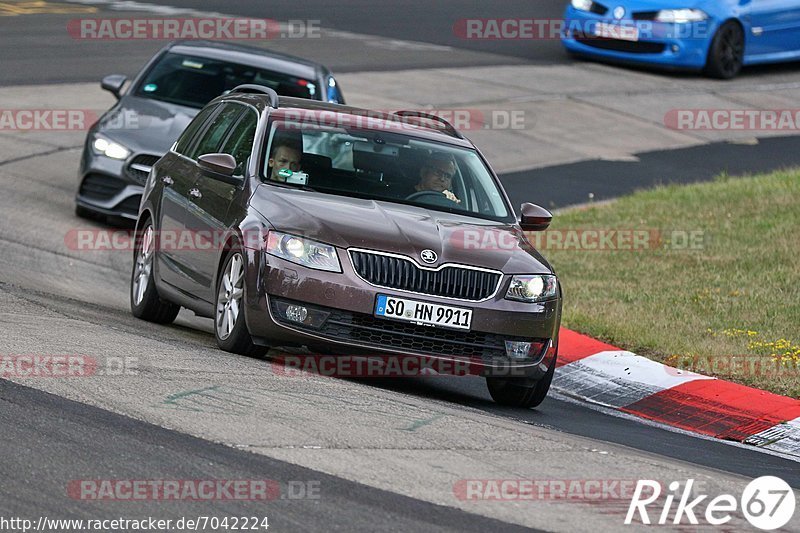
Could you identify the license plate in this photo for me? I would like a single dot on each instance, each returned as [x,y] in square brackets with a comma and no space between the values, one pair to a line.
[425,313]
[615,31]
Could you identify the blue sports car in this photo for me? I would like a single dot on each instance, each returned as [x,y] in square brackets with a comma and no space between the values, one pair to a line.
[715,36]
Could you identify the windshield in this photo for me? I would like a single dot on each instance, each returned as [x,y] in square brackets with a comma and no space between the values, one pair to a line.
[194,81]
[382,165]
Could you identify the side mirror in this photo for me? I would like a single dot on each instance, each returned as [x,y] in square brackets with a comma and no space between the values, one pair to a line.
[534,218]
[113,83]
[218,166]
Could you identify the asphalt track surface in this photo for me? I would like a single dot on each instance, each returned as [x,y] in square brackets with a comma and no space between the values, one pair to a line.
[48,60]
[587,181]
[49,440]
[412,20]
[57,427]
[37,49]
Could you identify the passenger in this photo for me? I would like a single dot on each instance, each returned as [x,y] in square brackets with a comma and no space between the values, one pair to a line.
[285,155]
[437,175]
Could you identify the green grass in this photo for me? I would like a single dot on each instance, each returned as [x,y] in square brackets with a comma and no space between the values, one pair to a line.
[729,308]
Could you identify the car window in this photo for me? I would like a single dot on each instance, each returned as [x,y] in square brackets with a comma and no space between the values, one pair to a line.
[239,143]
[186,138]
[386,165]
[194,81]
[212,137]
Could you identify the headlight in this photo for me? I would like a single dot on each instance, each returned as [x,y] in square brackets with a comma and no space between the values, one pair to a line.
[681,16]
[110,149]
[582,5]
[311,254]
[532,288]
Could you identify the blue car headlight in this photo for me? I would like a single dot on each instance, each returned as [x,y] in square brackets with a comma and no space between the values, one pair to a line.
[582,5]
[681,16]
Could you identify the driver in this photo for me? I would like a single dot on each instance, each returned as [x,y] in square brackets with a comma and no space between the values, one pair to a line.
[437,175]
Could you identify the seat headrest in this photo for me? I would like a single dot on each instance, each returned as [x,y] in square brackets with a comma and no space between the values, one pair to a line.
[316,162]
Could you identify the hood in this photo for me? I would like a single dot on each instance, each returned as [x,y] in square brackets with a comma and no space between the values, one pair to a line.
[650,5]
[145,125]
[719,9]
[397,228]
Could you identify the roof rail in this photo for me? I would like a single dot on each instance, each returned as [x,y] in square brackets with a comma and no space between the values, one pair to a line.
[449,129]
[252,88]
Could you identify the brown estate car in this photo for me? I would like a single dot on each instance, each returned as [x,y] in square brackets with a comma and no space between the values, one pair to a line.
[300,223]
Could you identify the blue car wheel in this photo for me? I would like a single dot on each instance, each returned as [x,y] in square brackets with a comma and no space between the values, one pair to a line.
[726,53]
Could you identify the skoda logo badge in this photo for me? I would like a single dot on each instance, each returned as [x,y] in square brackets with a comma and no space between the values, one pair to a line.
[619,12]
[429,256]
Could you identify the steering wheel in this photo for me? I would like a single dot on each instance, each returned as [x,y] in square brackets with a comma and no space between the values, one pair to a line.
[431,197]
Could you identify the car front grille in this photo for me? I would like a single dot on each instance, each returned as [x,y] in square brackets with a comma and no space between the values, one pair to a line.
[377,333]
[403,274]
[100,187]
[645,15]
[139,167]
[619,45]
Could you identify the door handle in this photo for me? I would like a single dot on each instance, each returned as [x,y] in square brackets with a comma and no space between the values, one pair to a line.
[195,193]
[166,180]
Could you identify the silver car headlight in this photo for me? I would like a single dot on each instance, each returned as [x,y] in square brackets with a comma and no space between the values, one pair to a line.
[103,146]
[311,254]
[532,288]
[681,16]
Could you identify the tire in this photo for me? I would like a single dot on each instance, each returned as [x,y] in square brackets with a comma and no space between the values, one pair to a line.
[230,326]
[145,301]
[512,392]
[726,53]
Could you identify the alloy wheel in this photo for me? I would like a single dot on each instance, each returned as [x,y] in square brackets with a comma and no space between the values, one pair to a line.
[731,49]
[229,296]
[144,265]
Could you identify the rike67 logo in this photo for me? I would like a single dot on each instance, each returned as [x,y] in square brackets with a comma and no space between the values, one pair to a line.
[767,502]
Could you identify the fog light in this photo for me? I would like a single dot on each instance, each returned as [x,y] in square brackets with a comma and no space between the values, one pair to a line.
[299,313]
[518,350]
[296,313]
[675,48]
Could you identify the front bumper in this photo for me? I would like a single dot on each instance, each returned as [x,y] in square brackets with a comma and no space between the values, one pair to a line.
[677,46]
[351,329]
[111,186]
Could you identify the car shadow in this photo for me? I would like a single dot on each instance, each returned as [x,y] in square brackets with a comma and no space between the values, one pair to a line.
[465,390]
[751,71]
